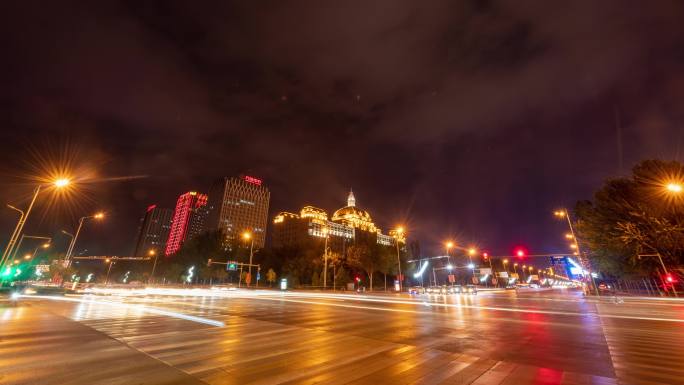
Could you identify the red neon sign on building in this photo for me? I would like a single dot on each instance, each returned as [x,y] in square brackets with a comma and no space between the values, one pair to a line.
[252,180]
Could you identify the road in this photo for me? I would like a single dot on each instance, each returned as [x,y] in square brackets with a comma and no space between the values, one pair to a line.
[266,337]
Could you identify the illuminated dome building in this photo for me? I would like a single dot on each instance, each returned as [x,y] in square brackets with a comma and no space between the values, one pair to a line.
[354,217]
[347,224]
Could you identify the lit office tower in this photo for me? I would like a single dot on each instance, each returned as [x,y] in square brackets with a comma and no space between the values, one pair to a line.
[188,218]
[237,205]
[153,231]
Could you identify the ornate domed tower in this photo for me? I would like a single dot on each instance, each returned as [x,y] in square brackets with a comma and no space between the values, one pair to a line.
[351,201]
[351,215]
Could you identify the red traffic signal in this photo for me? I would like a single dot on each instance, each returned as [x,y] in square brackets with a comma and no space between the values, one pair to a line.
[357,279]
[669,278]
[486,256]
[520,253]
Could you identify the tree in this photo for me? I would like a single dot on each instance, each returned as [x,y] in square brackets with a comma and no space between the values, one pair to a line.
[360,255]
[315,281]
[342,277]
[270,277]
[635,215]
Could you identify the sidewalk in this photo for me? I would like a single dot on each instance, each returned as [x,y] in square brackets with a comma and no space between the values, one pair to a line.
[38,347]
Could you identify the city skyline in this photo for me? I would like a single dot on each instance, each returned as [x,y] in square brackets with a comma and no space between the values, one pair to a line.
[415,129]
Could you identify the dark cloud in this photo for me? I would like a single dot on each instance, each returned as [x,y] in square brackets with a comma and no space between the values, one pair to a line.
[470,119]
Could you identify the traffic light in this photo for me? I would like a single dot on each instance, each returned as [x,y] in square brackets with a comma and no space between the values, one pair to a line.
[669,278]
[485,256]
[520,252]
[231,266]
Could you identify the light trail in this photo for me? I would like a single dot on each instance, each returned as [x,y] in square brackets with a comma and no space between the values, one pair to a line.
[303,297]
[141,308]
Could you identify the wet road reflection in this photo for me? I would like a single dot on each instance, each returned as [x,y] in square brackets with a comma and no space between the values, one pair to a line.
[494,337]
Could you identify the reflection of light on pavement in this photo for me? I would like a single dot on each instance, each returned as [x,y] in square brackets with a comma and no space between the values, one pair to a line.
[141,308]
[463,302]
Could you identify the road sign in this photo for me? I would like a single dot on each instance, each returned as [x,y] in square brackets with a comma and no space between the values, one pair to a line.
[485,271]
[475,280]
[231,266]
[248,278]
[452,278]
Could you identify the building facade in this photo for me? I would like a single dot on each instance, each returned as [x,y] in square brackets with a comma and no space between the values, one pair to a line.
[188,220]
[347,224]
[238,205]
[153,231]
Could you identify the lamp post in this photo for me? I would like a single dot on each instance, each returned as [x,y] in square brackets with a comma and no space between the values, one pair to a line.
[398,233]
[16,229]
[325,260]
[152,252]
[563,213]
[448,245]
[59,183]
[70,250]
[249,237]
[111,262]
[21,240]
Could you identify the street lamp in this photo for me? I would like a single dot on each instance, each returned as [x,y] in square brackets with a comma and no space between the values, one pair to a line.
[448,246]
[111,262]
[70,250]
[471,252]
[153,253]
[505,265]
[325,260]
[674,187]
[249,237]
[59,183]
[563,213]
[398,233]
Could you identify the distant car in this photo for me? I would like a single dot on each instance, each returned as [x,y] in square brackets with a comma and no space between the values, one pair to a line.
[511,287]
[470,289]
[436,290]
[416,290]
[457,289]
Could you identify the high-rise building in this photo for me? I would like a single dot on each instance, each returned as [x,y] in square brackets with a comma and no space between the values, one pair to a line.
[188,220]
[153,231]
[239,204]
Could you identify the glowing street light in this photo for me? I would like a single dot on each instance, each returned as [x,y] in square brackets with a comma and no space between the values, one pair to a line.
[248,236]
[569,236]
[99,216]
[471,266]
[61,182]
[58,183]
[27,256]
[399,231]
[674,187]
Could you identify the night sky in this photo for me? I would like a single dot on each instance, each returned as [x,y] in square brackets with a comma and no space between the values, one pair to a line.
[470,120]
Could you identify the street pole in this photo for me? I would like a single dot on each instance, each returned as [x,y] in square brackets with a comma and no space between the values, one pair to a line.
[73,242]
[325,263]
[577,243]
[399,264]
[154,266]
[19,227]
[251,255]
[660,258]
[16,229]
[108,270]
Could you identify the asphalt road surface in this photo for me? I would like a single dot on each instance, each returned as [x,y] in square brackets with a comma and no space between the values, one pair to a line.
[267,337]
